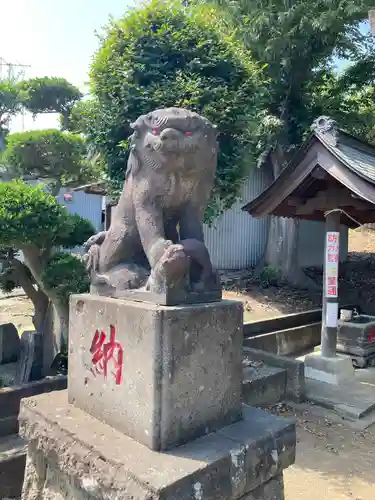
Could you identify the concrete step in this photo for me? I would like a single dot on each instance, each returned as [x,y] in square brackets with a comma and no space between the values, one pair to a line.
[352,400]
[12,466]
[263,385]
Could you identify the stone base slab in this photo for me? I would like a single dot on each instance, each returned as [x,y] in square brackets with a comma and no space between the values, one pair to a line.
[161,375]
[329,370]
[170,297]
[73,455]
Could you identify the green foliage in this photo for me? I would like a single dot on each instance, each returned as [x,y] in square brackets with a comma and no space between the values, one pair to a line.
[270,276]
[8,282]
[10,105]
[54,95]
[76,231]
[81,117]
[296,41]
[49,154]
[66,274]
[30,216]
[352,108]
[164,54]
[9,101]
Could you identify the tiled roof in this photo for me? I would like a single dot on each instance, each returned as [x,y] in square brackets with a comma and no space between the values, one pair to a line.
[350,161]
[359,159]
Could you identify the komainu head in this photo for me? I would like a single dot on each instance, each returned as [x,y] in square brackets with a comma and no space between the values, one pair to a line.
[174,139]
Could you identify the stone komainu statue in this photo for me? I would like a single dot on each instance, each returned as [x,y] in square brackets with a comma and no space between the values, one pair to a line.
[155,241]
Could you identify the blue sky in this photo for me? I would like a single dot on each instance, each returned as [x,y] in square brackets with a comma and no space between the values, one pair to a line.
[54,37]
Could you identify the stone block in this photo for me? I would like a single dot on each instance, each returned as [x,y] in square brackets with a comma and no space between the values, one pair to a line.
[30,360]
[9,343]
[273,490]
[10,397]
[263,385]
[8,426]
[295,371]
[12,466]
[77,456]
[175,373]
[357,337]
[170,296]
[51,342]
[334,371]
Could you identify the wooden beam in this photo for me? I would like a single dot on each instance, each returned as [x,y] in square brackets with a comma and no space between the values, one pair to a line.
[294,201]
[319,173]
[330,199]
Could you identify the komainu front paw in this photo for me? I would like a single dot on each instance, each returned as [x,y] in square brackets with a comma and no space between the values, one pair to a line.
[157,251]
[170,271]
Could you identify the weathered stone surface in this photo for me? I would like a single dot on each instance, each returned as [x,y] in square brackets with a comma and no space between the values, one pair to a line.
[155,242]
[180,369]
[9,343]
[273,490]
[357,339]
[72,453]
[30,360]
[295,371]
[263,385]
[52,342]
[12,466]
[10,397]
[337,370]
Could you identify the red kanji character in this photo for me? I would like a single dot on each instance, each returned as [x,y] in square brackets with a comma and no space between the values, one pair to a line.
[109,354]
[333,249]
[332,238]
[333,257]
[97,352]
[103,353]
[332,291]
[371,335]
[332,282]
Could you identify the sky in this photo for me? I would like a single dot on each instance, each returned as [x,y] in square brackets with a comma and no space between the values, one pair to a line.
[54,38]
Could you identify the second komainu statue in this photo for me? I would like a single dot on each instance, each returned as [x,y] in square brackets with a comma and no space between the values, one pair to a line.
[154,249]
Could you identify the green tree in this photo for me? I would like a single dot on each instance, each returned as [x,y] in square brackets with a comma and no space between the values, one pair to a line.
[49,95]
[33,222]
[81,117]
[59,158]
[296,43]
[10,105]
[164,54]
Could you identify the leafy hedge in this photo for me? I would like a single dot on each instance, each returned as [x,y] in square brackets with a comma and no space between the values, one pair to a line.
[164,54]
[30,216]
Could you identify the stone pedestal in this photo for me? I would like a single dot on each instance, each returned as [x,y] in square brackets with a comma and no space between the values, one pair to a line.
[73,455]
[10,344]
[146,379]
[356,338]
[161,375]
[336,370]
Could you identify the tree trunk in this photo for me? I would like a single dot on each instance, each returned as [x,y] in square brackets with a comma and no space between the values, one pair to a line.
[36,263]
[38,297]
[282,247]
[281,252]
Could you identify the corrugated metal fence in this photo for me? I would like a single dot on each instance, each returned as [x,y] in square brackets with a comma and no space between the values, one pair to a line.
[88,206]
[237,240]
